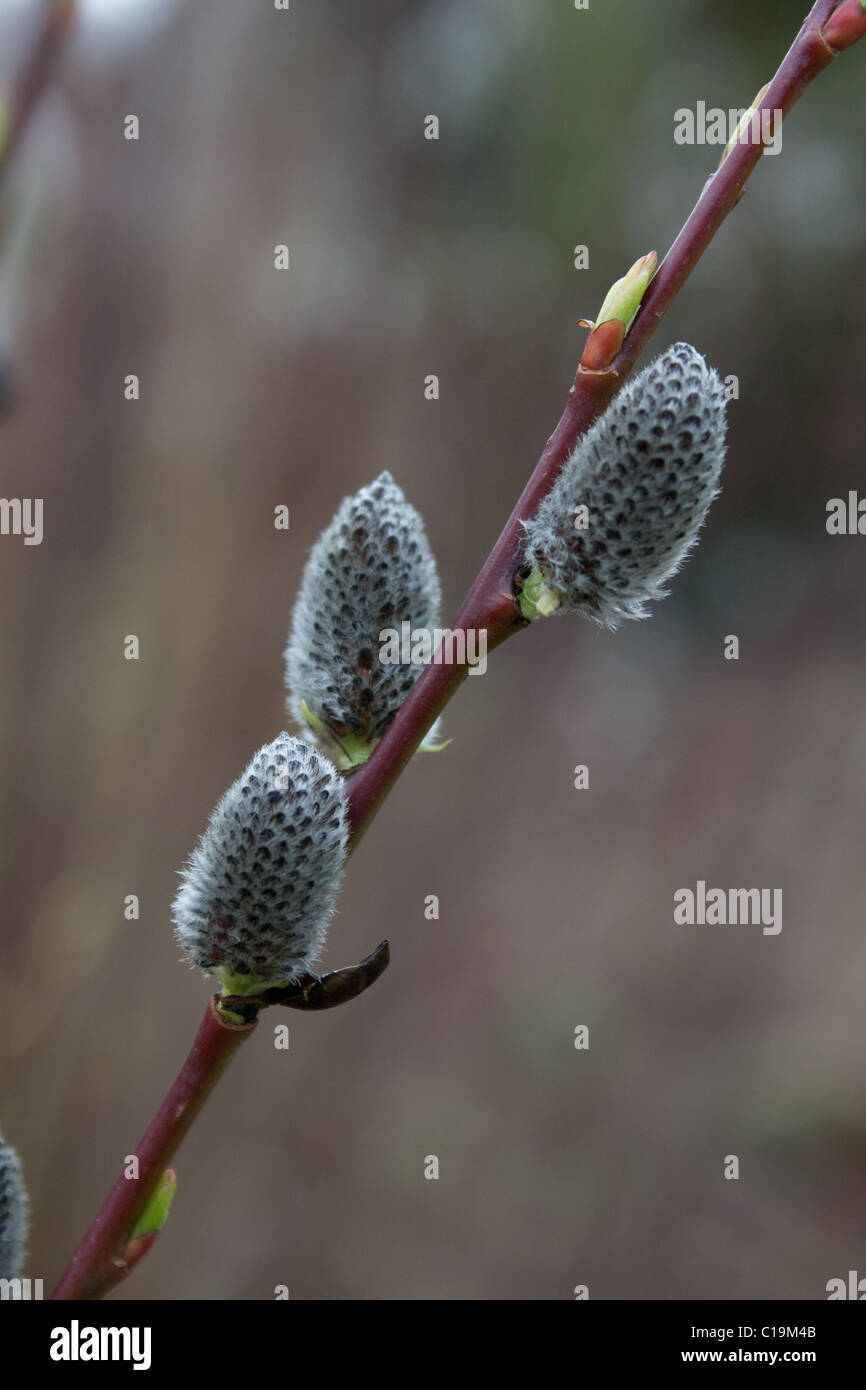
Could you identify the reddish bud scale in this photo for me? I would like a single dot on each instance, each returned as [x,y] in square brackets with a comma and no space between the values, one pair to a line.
[845,25]
[602,345]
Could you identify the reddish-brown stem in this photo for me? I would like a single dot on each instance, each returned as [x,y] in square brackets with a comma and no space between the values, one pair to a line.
[102,1259]
[50,31]
[490,604]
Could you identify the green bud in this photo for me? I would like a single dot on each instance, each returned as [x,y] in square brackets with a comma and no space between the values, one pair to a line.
[155,1214]
[624,297]
[537,599]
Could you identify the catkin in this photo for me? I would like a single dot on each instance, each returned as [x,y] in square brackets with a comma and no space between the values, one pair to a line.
[646,474]
[260,887]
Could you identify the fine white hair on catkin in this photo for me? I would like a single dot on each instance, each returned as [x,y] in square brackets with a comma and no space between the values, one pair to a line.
[14,1213]
[371,569]
[260,887]
[647,472]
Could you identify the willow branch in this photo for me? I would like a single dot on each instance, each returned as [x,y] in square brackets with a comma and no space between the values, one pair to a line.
[490,604]
[104,1256]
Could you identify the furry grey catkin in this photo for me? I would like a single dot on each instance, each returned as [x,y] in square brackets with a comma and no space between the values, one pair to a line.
[13,1214]
[259,889]
[371,569]
[646,473]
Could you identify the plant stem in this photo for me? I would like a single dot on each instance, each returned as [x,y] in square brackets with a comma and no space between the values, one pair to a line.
[99,1262]
[34,75]
[490,604]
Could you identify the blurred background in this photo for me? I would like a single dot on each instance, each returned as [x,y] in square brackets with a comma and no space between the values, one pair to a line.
[259,388]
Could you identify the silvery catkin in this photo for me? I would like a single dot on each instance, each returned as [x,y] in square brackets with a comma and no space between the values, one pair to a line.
[260,887]
[371,569]
[646,473]
[13,1213]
